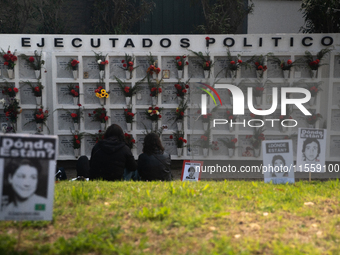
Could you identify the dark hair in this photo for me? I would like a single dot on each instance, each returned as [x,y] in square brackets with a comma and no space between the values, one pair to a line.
[152,144]
[114,130]
[12,165]
[308,141]
[276,157]
[191,168]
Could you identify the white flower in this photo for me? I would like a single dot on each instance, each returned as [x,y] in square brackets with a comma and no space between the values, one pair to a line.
[157,112]
[2,101]
[99,61]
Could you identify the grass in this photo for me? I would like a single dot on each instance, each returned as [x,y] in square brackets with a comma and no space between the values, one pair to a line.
[230,217]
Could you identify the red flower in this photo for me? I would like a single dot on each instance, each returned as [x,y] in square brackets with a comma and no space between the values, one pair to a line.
[186,86]
[9,90]
[124,65]
[133,140]
[159,90]
[182,113]
[179,63]
[239,61]
[232,62]
[156,108]
[76,137]
[207,64]
[79,105]
[130,63]
[158,70]
[187,63]
[74,115]
[106,118]
[260,67]
[106,62]
[16,90]
[77,141]
[159,116]
[177,58]
[6,63]
[207,38]
[131,68]
[171,137]
[185,141]
[289,62]
[31,59]
[123,61]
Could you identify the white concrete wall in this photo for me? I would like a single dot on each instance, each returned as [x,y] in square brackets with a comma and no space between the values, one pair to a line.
[273,16]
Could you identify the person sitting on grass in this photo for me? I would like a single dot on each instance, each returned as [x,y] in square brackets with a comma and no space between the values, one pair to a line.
[154,163]
[111,158]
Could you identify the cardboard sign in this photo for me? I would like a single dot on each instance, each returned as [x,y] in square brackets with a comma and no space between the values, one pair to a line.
[311,150]
[191,170]
[278,161]
[27,169]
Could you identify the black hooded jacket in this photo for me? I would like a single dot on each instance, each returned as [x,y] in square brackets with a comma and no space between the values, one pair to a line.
[155,166]
[109,158]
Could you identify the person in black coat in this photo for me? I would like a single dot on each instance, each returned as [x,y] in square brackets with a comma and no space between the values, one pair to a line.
[109,157]
[154,163]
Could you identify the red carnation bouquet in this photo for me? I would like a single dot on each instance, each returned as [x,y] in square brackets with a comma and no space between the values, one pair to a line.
[73,90]
[100,59]
[179,139]
[130,141]
[152,66]
[230,143]
[182,89]
[154,113]
[73,64]
[9,58]
[76,140]
[36,88]
[181,61]
[129,115]
[9,89]
[99,115]
[35,62]
[314,63]
[257,138]
[128,63]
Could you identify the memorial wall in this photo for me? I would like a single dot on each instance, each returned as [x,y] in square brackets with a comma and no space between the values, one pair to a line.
[87,78]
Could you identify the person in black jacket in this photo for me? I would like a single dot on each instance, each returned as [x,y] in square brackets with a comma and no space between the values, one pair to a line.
[110,157]
[154,163]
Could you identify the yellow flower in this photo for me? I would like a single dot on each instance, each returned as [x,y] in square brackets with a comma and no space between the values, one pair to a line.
[97,94]
[107,95]
[149,111]
[103,91]
[102,94]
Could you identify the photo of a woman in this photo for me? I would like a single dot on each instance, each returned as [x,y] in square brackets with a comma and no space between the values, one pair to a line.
[311,150]
[24,184]
[278,162]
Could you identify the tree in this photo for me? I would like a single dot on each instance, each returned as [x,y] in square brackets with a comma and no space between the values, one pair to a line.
[223,16]
[321,16]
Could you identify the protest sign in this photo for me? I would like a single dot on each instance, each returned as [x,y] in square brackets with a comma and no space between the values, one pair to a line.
[191,170]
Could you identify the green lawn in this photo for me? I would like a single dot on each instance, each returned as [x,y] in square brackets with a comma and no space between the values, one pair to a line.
[230,217]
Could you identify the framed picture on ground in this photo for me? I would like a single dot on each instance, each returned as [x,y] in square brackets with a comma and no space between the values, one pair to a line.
[191,170]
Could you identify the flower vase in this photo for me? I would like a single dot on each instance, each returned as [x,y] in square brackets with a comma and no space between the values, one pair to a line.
[10,73]
[259,74]
[154,76]
[75,74]
[205,152]
[231,128]
[282,129]
[314,74]
[180,74]
[179,99]
[128,74]
[102,126]
[232,74]
[256,152]
[14,126]
[154,125]
[258,100]
[102,101]
[76,126]
[179,152]
[311,125]
[128,101]
[154,100]
[312,100]
[231,152]
[286,74]
[75,100]
[179,125]
[40,127]
[205,126]
[129,127]
[37,74]
[38,100]
[76,153]
[206,74]
[101,74]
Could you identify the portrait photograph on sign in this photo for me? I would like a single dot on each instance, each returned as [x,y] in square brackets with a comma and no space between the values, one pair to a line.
[191,170]
[311,150]
[278,161]
[27,171]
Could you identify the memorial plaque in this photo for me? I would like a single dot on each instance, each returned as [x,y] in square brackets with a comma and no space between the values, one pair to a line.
[116,94]
[335,120]
[144,97]
[194,119]
[118,117]
[62,69]
[337,66]
[140,141]
[116,68]
[25,71]
[66,145]
[248,72]
[141,119]
[89,124]
[222,148]
[220,67]
[169,63]
[89,142]
[26,117]
[169,145]
[336,94]
[64,96]
[168,118]
[304,70]
[169,95]
[195,68]
[90,95]
[91,67]
[335,146]
[245,147]
[274,70]
[143,65]
[193,147]
[65,121]
[195,93]
[26,94]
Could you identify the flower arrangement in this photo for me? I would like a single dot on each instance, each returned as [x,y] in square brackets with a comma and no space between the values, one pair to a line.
[179,139]
[214,146]
[34,62]
[76,141]
[284,65]
[154,113]
[182,89]
[77,115]
[180,110]
[40,116]
[229,143]
[259,64]
[257,138]
[9,89]
[204,140]
[11,109]
[127,90]
[9,58]
[204,61]
[311,120]
[155,87]
[152,66]
[236,63]
[128,62]
[36,88]
[315,64]
[73,90]
[100,59]
[101,92]
[314,89]
[99,115]
[181,62]
[73,64]
[129,115]
[130,141]
[98,136]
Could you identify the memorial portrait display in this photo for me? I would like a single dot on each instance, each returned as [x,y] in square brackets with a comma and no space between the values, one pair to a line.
[191,170]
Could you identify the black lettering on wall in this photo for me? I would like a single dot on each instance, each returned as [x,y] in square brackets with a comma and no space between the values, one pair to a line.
[304,41]
[330,42]
[42,43]
[113,41]
[276,40]
[98,43]
[25,42]
[58,42]
[185,42]
[231,44]
[129,42]
[74,42]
